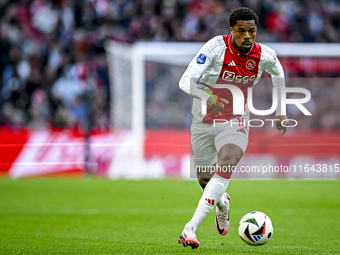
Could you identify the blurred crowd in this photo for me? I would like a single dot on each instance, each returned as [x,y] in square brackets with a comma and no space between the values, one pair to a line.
[200,20]
[53,65]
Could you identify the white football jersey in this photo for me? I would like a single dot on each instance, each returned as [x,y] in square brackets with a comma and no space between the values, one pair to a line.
[217,64]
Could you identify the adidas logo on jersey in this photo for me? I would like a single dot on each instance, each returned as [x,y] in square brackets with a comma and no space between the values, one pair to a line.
[232,63]
[241,130]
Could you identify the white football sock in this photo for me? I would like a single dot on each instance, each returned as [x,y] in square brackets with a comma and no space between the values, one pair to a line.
[212,193]
[222,204]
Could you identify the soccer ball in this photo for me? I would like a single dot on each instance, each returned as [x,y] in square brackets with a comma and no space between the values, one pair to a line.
[255,228]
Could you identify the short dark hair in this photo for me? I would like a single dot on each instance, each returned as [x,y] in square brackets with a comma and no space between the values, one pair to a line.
[242,13]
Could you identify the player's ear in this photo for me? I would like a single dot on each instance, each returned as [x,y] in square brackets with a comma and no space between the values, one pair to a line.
[231,30]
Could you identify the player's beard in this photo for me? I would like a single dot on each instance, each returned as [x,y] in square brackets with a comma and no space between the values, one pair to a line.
[246,49]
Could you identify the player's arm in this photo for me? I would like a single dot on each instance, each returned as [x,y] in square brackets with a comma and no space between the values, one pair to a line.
[274,67]
[203,60]
[215,104]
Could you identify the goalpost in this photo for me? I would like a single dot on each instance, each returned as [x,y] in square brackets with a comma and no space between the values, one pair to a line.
[127,82]
[128,64]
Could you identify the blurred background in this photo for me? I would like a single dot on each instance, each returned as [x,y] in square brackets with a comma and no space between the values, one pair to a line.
[57,92]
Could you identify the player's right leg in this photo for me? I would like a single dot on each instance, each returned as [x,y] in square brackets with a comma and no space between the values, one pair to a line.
[229,156]
[204,156]
[188,238]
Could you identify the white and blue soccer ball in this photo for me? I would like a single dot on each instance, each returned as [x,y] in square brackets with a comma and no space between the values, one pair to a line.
[255,228]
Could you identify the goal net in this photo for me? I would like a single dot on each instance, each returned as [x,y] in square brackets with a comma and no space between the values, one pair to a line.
[144,93]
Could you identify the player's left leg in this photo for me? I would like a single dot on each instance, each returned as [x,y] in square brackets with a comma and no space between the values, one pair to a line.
[204,150]
[227,155]
[231,143]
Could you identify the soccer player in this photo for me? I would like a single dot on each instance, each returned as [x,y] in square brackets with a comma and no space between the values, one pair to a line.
[236,60]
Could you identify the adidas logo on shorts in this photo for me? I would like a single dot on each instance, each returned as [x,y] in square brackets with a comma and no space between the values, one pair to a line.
[242,130]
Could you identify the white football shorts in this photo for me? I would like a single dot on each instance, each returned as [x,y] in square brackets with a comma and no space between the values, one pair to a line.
[208,139]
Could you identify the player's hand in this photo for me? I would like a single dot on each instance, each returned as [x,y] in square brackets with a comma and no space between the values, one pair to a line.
[217,107]
[281,119]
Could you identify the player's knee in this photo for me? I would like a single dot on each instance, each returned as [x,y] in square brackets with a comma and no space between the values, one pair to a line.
[227,162]
[226,166]
[229,155]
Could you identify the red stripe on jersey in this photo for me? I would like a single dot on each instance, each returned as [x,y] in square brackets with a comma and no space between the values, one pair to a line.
[238,69]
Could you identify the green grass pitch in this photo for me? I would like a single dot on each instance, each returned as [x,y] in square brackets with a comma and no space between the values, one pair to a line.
[99,216]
